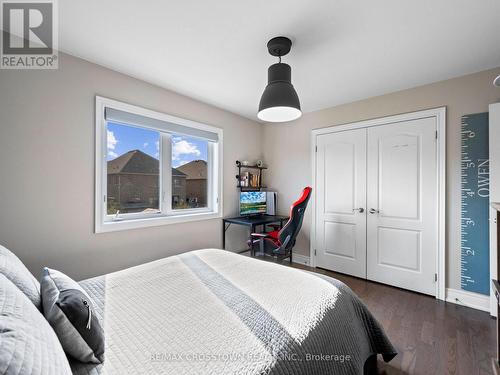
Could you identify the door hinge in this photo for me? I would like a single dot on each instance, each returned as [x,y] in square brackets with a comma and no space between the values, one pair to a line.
[315,252]
[435,277]
[316,148]
[436,134]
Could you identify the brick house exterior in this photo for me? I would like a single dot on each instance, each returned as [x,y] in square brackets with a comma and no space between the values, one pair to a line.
[196,182]
[133,183]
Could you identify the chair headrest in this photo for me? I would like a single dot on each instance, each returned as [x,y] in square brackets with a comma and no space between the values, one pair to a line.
[305,195]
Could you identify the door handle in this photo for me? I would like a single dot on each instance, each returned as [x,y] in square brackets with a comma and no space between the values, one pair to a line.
[373,211]
[360,210]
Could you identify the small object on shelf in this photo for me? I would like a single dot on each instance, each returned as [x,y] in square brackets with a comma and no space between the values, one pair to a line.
[239,164]
[249,181]
[244,163]
[260,163]
[244,178]
[254,180]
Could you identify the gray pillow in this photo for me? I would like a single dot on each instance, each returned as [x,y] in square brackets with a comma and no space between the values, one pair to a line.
[28,345]
[15,270]
[70,312]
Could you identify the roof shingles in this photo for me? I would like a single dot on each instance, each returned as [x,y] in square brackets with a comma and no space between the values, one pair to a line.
[194,170]
[136,161]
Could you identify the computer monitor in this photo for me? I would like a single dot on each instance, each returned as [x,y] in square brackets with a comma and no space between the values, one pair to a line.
[252,203]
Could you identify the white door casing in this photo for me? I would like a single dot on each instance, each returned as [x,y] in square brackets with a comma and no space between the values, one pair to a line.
[341,200]
[402,204]
[494,140]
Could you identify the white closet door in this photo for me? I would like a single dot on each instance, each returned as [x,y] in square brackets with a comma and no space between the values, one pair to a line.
[402,204]
[341,191]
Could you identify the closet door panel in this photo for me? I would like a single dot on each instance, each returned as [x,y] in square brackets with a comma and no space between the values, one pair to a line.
[340,199]
[402,204]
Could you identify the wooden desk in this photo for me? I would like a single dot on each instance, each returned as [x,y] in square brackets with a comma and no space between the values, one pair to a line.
[252,222]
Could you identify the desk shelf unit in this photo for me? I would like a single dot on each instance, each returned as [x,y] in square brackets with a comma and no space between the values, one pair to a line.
[257,186]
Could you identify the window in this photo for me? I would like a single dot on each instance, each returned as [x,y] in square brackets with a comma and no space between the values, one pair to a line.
[154,169]
[133,170]
[189,172]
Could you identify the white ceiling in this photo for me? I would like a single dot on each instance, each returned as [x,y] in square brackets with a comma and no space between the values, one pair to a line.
[344,50]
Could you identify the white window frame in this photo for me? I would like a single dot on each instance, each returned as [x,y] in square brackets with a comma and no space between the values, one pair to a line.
[167,215]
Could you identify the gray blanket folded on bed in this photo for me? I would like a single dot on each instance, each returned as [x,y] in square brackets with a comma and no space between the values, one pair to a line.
[211,311]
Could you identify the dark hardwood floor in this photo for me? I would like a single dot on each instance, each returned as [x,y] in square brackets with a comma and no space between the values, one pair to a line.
[431,336]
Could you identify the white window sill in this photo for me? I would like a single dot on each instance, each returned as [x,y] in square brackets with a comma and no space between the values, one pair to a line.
[126,224]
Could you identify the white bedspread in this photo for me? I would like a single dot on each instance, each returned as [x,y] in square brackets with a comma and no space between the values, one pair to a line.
[215,312]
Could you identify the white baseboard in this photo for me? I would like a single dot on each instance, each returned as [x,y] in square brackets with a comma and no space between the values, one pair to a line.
[296,258]
[301,259]
[469,299]
[460,297]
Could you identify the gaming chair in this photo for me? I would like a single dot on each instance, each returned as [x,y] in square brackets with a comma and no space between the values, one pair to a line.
[280,242]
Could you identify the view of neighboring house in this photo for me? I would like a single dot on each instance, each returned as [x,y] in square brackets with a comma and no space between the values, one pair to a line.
[196,182]
[134,180]
[133,183]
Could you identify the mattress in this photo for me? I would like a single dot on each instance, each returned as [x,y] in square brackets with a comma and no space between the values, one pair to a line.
[215,312]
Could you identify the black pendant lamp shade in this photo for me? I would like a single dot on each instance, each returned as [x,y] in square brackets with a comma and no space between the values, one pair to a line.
[279,101]
[496,82]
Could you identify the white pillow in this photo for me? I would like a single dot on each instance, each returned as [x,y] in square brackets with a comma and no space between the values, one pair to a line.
[15,270]
[28,345]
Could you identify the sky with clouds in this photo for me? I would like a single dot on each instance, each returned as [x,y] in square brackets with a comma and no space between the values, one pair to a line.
[121,139]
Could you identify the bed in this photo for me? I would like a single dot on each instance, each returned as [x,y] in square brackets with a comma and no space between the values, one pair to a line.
[215,312]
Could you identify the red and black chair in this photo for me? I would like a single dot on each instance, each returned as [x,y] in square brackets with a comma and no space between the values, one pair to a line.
[280,243]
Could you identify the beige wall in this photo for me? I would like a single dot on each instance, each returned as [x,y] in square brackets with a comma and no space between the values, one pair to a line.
[47,160]
[287,146]
[47,139]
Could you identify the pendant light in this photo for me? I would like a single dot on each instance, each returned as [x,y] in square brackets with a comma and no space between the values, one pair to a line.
[279,101]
